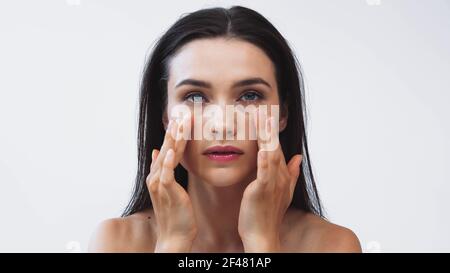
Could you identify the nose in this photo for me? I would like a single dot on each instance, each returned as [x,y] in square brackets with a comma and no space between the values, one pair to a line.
[223,123]
[223,129]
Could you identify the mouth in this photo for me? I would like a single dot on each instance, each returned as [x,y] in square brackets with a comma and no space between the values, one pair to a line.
[223,153]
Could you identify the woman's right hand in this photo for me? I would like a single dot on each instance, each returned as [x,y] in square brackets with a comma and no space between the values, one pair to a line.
[176,226]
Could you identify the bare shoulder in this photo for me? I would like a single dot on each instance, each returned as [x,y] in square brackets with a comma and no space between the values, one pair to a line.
[312,233]
[134,233]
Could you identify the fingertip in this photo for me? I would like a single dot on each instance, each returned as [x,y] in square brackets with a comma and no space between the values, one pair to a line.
[294,164]
[297,165]
[155,153]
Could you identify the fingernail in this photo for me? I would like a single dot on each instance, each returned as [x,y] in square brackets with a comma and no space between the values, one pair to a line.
[153,154]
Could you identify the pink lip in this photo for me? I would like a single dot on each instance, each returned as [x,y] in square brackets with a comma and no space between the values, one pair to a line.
[223,153]
[224,157]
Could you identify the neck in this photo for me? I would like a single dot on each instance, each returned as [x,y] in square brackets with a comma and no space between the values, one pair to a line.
[217,213]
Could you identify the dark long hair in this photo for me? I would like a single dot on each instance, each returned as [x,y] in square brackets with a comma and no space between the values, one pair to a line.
[235,22]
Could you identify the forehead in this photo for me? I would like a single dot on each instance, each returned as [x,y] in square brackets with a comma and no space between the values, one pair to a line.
[220,61]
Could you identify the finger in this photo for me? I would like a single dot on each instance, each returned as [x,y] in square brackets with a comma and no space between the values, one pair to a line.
[261,127]
[284,172]
[152,183]
[167,177]
[168,143]
[276,138]
[253,126]
[155,153]
[154,197]
[167,173]
[284,175]
[274,155]
[269,156]
[294,164]
[151,176]
[181,138]
[263,167]
[275,143]
[169,139]
[294,169]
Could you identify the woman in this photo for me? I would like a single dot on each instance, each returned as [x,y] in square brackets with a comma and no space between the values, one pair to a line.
[221,195]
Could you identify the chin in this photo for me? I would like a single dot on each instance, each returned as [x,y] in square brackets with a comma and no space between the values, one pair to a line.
[222,177]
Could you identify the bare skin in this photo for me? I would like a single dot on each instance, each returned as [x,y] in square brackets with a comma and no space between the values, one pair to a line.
[301,232]
[240,206]
[223,228]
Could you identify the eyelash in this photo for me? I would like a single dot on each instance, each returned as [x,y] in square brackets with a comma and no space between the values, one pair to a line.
[258,95]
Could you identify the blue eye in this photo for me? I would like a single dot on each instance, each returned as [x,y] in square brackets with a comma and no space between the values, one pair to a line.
[195,97]
[251,96]
[199,98]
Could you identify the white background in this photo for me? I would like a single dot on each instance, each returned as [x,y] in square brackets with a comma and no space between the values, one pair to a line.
[377,74]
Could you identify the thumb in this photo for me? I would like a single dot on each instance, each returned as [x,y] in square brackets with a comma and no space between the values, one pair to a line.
[294,166]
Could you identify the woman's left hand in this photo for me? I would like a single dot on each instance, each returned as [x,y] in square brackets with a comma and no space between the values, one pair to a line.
[266,199]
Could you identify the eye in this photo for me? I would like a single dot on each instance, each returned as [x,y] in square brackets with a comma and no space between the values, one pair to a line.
[195,97]
[251,96]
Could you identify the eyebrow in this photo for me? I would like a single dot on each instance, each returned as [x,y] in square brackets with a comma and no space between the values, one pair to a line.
[245,82]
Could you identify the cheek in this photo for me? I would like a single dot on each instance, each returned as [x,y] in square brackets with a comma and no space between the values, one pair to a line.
[191,155]
[253,151]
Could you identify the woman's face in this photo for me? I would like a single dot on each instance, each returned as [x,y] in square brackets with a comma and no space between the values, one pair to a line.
[207,72]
